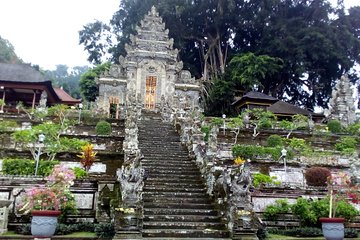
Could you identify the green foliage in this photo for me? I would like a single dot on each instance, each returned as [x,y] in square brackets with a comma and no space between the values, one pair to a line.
[354,129]
[26,167]
[299,145]
[351,233]
[253,151]
[274,141]
[260,179]
[320,39]
[236,122]
[346,145]
[249,70]
[304,210]
[7,125]
[206,130]
[287,125]
[262,118]
[80,172]
[309,212]
[88,86]
[216,121]
[67,78]
[317,176]
[7,52]
[301,232]
[346,210]
[105,230]
[53,143]
[272,211]
[334,126]
[103,128]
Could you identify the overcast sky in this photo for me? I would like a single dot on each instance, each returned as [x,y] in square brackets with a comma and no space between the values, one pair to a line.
[45,32]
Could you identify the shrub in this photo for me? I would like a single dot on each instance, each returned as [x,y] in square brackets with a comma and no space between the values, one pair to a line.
[317,176]
[103,128]
[275,141]
[252,151]
[206,130]
[80,172]
[346,210]
[346,144]
[7,125]
[27,167]
[305,211]
[334,126]
[351,233]
[272,211]
[354,129]
[260,179]
[105,231]
[298,232]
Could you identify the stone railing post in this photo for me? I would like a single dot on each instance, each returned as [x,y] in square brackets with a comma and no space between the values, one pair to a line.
[128,215]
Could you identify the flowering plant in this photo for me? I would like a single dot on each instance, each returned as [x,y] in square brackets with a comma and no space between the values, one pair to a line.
[341,189]
[55,195]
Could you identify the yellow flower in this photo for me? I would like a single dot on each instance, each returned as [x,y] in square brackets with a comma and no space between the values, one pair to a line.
[239,161]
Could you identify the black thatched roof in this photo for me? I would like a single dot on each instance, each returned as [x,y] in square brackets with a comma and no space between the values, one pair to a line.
[255,96]
[20,73]
[259,95]
[281,107]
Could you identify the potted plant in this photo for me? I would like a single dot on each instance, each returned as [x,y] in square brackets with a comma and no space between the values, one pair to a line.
[46,203]
[340,189]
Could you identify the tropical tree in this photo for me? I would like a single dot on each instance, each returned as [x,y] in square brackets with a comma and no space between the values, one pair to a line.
[88,86]
[315,49]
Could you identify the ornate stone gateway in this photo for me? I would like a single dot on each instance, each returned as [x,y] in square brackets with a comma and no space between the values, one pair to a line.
[150,70]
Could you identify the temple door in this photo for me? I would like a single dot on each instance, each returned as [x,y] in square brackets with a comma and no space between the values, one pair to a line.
[114,107]
[150,92]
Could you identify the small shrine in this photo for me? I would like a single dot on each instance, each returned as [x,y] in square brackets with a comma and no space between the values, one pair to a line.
[150,70]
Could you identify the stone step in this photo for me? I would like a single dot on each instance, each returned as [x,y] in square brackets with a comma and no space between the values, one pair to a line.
[182,225]
[173,194]
[174,184]
[164,176]
[179,211]
[177,200]
[207,233]
[166,189]
[181,171]
[182,218]
[178,205]
[168,156]
[173,180]
[168,163]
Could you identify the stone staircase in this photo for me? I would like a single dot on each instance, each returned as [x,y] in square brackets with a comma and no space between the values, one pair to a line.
[176,205]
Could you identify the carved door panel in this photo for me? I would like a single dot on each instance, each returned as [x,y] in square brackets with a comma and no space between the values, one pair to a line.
[150,93]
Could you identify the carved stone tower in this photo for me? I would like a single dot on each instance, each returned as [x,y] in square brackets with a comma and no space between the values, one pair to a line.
[342,103]
[150,70]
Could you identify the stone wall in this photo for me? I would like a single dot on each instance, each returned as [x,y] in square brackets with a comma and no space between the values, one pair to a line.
[91,198]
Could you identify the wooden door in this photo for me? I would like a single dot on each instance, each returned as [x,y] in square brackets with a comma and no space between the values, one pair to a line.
[150,94]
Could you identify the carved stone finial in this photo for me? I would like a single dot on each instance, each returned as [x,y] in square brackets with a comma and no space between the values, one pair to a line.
[153,11]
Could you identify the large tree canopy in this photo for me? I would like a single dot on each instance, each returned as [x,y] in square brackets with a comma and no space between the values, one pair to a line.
[7,52]
[316,42]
